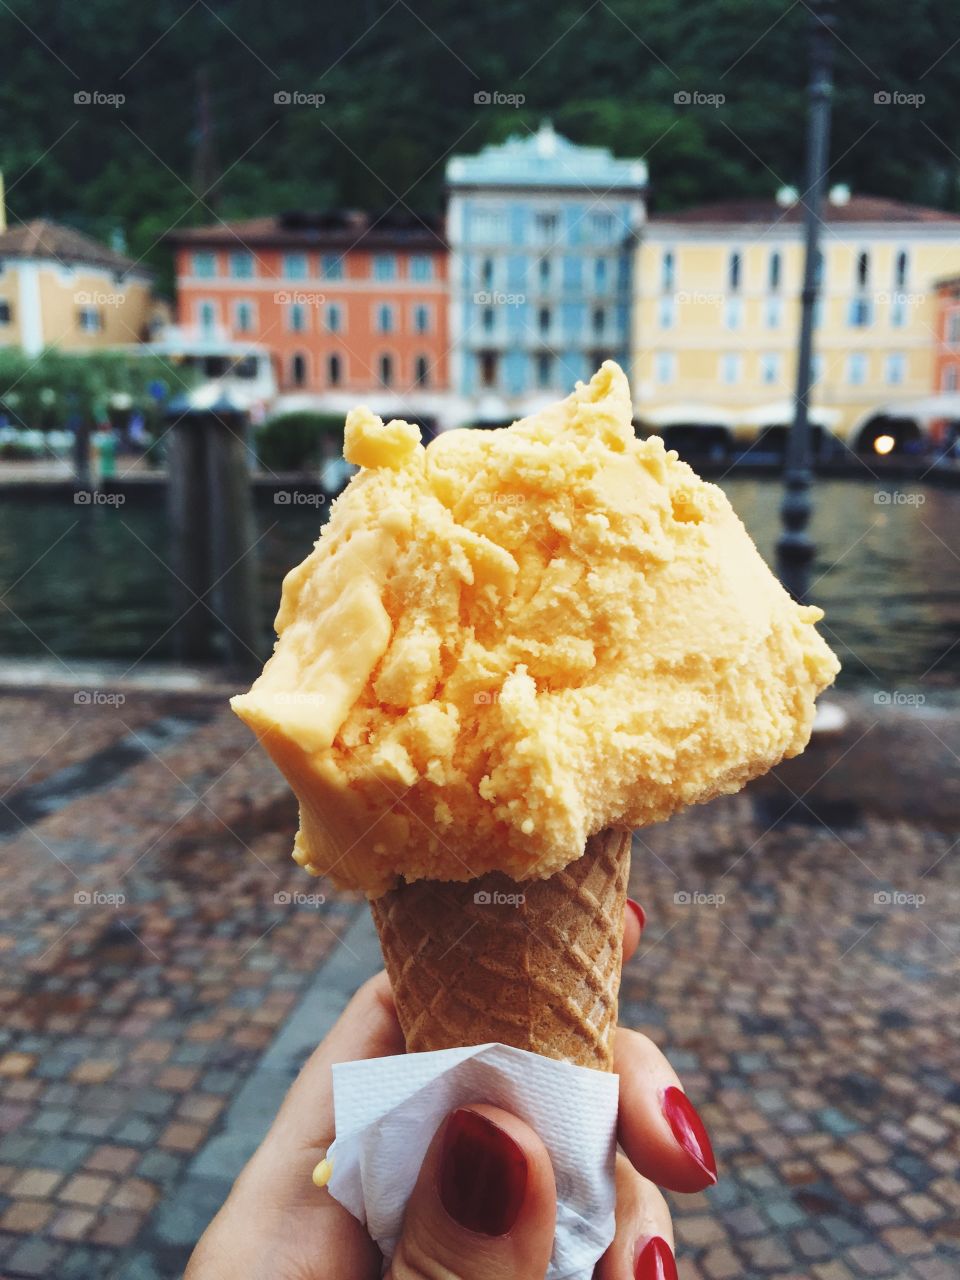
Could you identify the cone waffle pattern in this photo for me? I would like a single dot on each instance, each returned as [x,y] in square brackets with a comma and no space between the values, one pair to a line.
[469,964]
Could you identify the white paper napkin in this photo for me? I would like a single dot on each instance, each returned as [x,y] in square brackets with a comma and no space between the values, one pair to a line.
[388,1109]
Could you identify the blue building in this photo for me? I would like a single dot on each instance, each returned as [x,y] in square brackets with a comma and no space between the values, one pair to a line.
[541,235]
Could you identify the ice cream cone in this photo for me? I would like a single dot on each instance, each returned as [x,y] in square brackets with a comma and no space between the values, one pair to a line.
[534,964]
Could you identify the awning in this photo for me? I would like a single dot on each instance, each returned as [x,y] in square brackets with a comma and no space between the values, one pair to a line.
[926,408]
[779,413]
[688,415]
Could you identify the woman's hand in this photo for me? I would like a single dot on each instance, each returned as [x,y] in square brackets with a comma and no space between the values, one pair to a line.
[484,1207]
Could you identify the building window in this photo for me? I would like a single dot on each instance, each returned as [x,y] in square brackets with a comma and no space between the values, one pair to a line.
[817,311]
[770,368]
[856,369]
[488,368]
[331,266]
[599,322]
[333,318]
[385,370]
[600,275]
[774,272]
[863,269]
[207,316]
[547,225]
[773,313]
[543,320]
[953,326]
[601,226]
[667,271]
[896,367]
[421,267]
[204,264]
[948,380]
[90,320]
[543,272]
[421,371]
[243,317]
[544,364]
[816,369]
[734,271]
[421,318]
[861,313]
[730,365]
[733,313]
[489,225]
[486,273]
[295,266]
[241,265]
[664,364]
[488,319]
[668,311]
[900,270]
[384,266]
[298,370]
[6,312]
[334,370]
[898,311]
[385,318]
[297,317]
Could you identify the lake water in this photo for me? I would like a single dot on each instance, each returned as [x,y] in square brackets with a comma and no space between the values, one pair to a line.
[90,582]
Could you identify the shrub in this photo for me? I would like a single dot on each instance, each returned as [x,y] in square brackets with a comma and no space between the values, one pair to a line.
[299,441]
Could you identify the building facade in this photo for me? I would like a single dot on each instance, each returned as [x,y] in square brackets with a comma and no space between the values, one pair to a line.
[60,288]
[717,312]
[346,303]
[541,235]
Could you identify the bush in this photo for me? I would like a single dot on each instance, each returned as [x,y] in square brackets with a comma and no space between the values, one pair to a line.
[299,441]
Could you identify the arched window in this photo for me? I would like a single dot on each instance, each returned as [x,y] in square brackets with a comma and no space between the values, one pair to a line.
[863,269]
[667,270]
[421,371]
[385,370]
[334,370]
[774,271]
[298,370]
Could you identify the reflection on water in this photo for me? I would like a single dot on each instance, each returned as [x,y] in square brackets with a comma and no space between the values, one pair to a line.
[87,582]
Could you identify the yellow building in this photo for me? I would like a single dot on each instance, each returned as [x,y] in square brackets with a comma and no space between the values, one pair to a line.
[717,313]
[60,288]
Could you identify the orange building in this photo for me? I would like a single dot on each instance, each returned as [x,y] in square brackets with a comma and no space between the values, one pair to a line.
[946,365]
[345,302]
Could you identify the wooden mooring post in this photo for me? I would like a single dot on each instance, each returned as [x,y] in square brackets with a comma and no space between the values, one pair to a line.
[210,504]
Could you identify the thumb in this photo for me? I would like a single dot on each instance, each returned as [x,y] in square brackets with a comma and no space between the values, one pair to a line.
[485,1204]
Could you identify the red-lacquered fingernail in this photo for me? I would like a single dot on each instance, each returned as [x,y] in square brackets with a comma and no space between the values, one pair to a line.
[687,1128]
[655,1261]
[483,1174]
[638,911]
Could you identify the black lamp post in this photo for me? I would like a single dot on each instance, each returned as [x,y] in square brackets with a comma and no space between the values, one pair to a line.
[795,548]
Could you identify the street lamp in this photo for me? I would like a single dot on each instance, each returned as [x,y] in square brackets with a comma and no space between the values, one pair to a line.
[795,548]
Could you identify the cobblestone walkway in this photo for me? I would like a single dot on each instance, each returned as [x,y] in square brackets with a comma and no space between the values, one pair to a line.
[166,968]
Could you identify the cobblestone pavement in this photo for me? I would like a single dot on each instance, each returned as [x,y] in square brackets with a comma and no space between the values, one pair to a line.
[165,968]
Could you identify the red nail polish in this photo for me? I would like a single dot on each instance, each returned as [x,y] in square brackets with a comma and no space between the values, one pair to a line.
[638,911]
[655,1261]
[687,1128]
[483,1174]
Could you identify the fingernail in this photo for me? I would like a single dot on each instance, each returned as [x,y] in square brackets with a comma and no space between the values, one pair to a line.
[483,1174]
[638,911]
[687,1128]
[655,1261]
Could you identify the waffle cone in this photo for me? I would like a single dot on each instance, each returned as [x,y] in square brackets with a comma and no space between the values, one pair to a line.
[470,964]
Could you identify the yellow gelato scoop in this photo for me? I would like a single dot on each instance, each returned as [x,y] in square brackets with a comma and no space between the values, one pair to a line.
[510,640]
